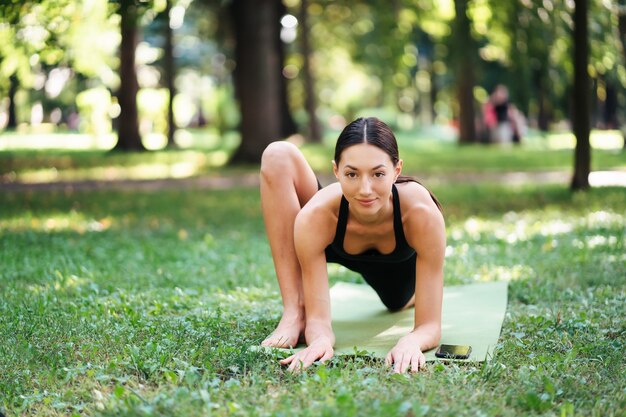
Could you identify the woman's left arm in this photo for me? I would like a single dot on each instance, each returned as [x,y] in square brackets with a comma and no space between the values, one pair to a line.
[425,232]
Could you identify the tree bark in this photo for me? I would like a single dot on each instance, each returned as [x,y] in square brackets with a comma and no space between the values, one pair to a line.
[610,107]
[169,75]
[12,110]
[288,125]
[621,25]
[310,102]
[543,120]
[464,57]
[257,76]
[581,98]
[128,121]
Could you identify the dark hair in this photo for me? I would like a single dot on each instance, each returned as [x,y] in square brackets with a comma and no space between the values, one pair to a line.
[373,131]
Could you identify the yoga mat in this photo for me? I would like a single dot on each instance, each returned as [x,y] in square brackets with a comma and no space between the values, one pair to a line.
[472,315]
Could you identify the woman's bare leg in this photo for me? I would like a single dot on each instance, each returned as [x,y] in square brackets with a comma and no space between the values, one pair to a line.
[287,183]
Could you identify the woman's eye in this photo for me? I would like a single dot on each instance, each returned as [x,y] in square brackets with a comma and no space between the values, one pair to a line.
[379,174]
[351,174]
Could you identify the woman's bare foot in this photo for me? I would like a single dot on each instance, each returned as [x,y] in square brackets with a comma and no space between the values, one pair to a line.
[288,333]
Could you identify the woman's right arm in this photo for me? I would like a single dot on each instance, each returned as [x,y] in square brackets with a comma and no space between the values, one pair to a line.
[314,230]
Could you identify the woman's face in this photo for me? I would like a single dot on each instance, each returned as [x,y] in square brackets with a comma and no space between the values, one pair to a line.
[366,174]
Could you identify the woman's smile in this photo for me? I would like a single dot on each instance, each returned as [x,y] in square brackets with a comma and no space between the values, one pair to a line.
[366,202]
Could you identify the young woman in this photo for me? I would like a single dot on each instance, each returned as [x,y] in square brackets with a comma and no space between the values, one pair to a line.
[386,227]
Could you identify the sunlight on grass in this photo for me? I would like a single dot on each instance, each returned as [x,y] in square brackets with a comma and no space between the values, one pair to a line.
[504,273]
[522,226]
[42,140]
[48,157]
[62,284]
[69,141]
[600,139]
[607,179]
[190,165]
[71,221]
[154,141]
[113,173]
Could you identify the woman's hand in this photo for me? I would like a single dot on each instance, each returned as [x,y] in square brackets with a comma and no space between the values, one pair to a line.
[321,349]
[406,355]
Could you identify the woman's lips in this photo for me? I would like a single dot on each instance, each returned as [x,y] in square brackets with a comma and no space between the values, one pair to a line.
[366,203]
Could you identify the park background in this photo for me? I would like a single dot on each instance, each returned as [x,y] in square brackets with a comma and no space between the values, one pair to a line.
[134,271]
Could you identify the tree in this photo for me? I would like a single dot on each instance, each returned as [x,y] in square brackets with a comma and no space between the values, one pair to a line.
[310,102]
[621,24]
[464,54]
[581,98]
[21,55]
[258,76]
[128,120]
[169,72]
[13,56]
[12,111]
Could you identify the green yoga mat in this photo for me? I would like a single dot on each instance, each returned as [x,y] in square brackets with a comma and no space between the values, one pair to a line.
[472,315]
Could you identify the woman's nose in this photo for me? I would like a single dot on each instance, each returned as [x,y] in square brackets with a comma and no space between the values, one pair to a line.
[366,186]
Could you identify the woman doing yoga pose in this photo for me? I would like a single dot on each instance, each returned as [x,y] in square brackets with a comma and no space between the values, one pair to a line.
[385,226]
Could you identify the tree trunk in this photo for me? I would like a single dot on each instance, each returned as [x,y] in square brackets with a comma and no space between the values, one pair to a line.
[621,25]
[434,91]
[611,105]
[543,119]
[310,102]
[581,98]
[464,57]
[257,76]
[128,121]
[169,75]
[12,116]
[288,125]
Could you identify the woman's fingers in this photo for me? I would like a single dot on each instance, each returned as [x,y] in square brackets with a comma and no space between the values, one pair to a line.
[389,359]
[401,365]
[287,361]
[327,356]
[405,361]
[306,357]
[401,362]
[301,363]
[417,362]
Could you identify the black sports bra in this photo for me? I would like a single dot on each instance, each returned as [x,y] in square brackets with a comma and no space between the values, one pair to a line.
[401,252]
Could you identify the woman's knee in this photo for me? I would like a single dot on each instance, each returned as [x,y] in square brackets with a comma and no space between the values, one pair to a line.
[278,157]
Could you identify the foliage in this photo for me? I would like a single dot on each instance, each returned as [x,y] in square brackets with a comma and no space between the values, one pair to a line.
[381,56]
[394,58]
[126,303]
[43,35]
[533,40]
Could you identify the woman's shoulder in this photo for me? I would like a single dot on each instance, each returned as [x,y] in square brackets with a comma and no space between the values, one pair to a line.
[328,197]
[413,193]
[416,204]
[324,204]
[317,220]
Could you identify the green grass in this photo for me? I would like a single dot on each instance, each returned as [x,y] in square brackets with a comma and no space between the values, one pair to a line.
[120,303]
[425,153]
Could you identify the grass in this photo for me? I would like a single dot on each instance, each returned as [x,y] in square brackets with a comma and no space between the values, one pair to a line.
[120,303]
[425,153]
